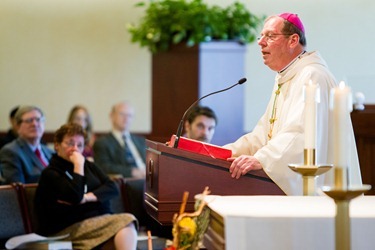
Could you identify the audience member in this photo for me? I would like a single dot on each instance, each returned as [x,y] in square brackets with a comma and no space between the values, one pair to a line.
[12,132]
[23,159]
[278,138]
[73,197]
[200,124]
[121,152]
[80,115]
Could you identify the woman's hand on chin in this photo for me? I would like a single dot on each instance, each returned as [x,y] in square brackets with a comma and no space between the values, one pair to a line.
[78,161]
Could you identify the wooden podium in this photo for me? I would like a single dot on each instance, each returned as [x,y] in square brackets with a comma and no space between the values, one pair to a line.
[170,172]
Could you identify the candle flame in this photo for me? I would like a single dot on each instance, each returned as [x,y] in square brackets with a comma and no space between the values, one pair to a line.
[342,85]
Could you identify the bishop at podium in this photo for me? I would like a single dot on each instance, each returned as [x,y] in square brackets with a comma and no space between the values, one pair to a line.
[278,138]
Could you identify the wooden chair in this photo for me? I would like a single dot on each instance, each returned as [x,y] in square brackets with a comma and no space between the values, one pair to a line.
[28,193]
[11,214]
[118,204]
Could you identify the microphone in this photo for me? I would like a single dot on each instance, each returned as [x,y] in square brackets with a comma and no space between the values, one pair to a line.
[179,130]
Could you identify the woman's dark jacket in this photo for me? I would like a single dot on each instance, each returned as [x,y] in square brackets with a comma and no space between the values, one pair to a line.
[58,182]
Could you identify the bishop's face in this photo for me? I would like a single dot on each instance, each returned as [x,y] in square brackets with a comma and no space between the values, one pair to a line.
[275,46]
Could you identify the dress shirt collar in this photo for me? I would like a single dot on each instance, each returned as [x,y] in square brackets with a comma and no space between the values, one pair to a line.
[31,146]
[119,136]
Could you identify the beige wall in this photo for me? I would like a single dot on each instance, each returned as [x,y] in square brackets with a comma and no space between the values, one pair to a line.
[57,53]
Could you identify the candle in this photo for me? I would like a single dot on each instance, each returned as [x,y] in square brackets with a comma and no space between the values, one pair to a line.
[341,106]
[149,240]
[311,98]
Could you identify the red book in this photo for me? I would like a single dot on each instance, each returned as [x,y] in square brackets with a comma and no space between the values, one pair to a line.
[202,148]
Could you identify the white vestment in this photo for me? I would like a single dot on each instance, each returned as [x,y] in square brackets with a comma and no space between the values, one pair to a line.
[287,143]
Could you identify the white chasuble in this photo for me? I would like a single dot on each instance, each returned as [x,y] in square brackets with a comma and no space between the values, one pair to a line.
[286,145]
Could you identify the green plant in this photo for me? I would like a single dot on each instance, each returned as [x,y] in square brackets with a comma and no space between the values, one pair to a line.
[169,22]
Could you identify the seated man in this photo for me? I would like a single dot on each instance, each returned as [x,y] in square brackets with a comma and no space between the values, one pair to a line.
[200,124]
[121,153]
[23,159]
[12,132]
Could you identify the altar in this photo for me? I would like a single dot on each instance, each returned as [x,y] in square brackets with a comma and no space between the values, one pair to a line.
[285,222]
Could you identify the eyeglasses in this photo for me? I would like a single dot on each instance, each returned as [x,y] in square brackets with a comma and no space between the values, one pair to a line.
[32,119]
[71,144]
[271,37]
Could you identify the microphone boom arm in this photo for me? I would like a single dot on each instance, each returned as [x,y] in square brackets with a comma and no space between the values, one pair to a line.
[180,126]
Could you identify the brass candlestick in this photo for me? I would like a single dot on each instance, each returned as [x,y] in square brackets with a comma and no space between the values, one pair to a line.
[342,194]
[309,171]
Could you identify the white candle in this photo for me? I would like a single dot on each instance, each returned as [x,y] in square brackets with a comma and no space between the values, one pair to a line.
[311,98]
[341,106]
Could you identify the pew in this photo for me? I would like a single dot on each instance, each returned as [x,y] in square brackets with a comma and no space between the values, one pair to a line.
[12,217]
[17,215]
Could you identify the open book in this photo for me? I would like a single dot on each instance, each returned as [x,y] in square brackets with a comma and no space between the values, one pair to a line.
[35,241]
[203,148]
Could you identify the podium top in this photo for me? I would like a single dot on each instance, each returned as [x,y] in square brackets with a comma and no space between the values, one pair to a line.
[162,148]
[202,148]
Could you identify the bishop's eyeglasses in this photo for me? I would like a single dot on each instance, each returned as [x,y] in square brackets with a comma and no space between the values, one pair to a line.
[271,37]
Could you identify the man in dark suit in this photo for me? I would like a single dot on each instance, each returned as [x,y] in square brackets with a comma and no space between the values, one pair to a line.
[23,159]
[121,153]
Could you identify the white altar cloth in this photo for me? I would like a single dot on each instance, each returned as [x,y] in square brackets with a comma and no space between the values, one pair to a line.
[291,222]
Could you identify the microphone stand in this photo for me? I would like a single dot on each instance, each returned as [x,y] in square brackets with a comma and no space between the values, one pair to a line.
[180,126]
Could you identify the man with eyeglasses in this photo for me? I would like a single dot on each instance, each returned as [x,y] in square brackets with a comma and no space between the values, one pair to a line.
[24,159]
[278,138]
[121,153]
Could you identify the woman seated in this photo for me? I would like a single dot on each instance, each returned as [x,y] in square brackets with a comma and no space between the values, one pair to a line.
[80,115]
[73,197]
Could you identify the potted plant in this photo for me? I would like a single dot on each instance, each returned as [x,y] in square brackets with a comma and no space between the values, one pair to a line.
[168,22]
[196,49]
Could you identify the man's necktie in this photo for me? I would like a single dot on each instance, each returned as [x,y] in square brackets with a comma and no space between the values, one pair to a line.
[39,155]
[128,154]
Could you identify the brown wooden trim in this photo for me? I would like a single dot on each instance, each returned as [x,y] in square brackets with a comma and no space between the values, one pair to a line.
[48,135]
[364,131]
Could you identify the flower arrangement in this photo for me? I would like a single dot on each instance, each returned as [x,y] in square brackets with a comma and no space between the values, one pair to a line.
[189,228]
[169,22]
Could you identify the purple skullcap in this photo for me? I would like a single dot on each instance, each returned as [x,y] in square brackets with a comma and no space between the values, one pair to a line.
[294,19]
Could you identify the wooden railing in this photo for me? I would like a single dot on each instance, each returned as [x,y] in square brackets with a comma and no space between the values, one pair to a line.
[364,131]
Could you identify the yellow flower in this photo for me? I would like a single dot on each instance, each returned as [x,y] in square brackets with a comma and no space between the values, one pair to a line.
[188,225]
